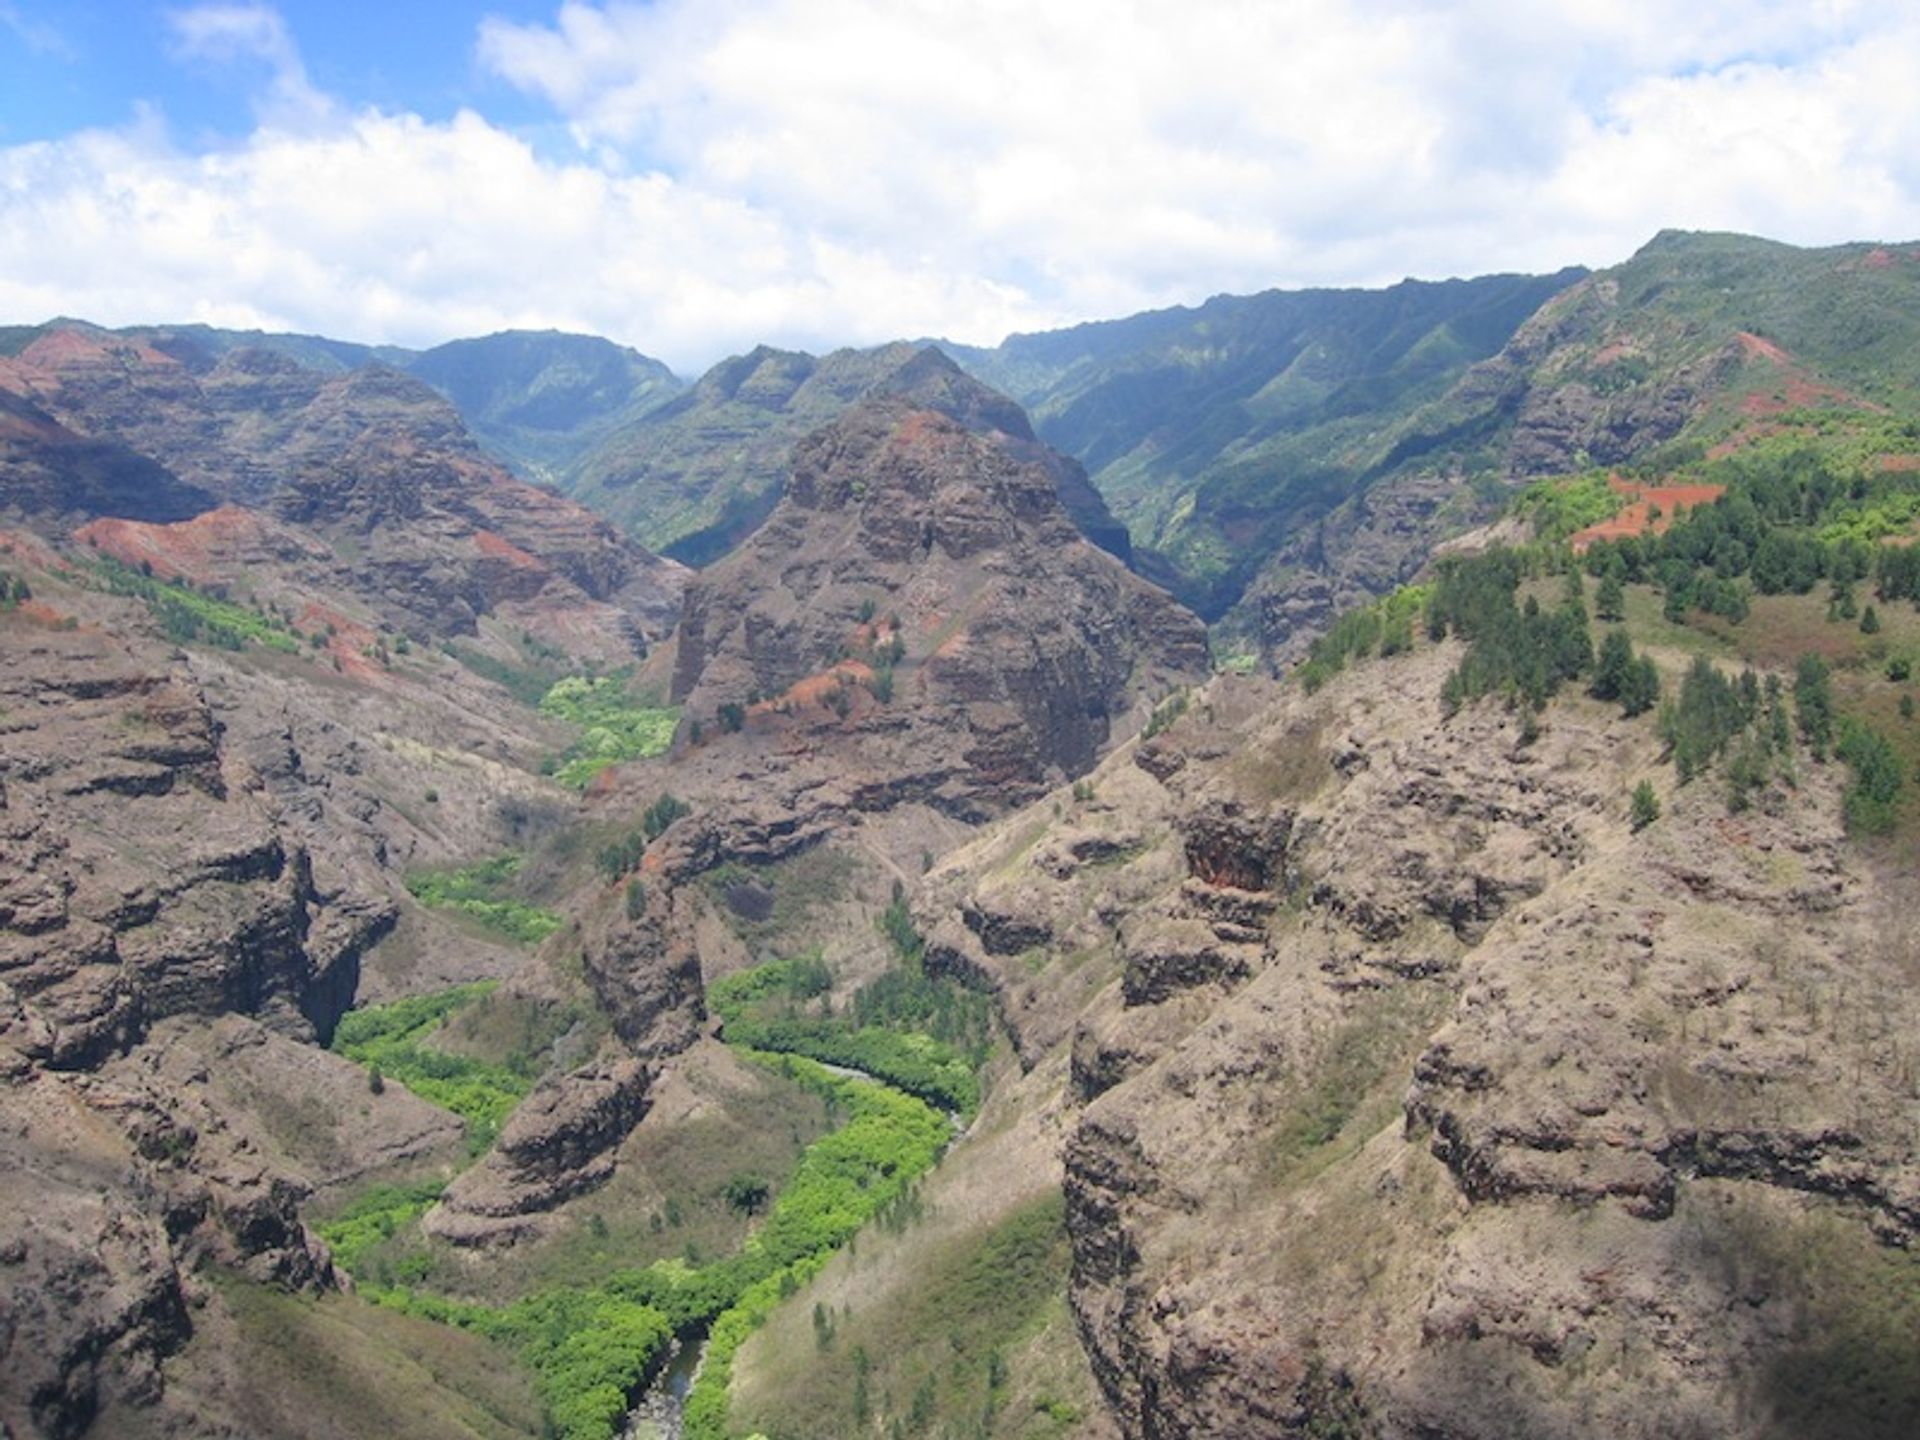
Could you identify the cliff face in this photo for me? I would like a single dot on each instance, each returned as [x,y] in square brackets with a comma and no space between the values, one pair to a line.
[1419,1096]
[216,761]
[146,881]
[370,463]
[144,876]
[935,552]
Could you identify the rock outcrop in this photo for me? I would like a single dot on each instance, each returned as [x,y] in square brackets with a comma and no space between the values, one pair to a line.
[1419,1096]
[700,473]
[144,880]
[558,1144]
[922,601]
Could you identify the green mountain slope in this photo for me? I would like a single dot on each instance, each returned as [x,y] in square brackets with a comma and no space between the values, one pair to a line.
[542,399]
[1285,456]
[1215,431]
[695,477]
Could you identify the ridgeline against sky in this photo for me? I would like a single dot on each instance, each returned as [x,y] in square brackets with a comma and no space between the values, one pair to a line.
[691,178]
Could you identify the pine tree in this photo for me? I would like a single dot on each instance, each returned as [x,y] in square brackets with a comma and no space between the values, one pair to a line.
[1642,689]
[1813,703]
[1612,671]
[1610,601]
[1646,805]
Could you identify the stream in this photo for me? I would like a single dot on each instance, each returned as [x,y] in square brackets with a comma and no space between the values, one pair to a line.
[656,1414]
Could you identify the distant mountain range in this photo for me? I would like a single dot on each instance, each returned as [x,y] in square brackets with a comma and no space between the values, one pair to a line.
[1269,458]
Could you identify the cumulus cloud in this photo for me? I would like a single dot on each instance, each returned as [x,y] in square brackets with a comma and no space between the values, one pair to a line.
[822,172]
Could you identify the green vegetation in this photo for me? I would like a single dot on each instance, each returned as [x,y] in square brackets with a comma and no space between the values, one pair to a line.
[393,1037]
[13,590]
[479,891]
[591,1348]
[376,1215]
[1523,652]
[934,1357]
[612,727]
[1775,573]
[1792,516]
[1215,440]
[189,616]
[1619,674]
[588,1349]
[926,1036]
[1646,805]
[1710,712]
[1873,795]
[622,855]
[1559,507]
[1387,624]
[845,1180]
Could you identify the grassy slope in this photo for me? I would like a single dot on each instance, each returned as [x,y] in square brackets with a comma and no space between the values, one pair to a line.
[1217,432]
[337,1368]
[974,1342]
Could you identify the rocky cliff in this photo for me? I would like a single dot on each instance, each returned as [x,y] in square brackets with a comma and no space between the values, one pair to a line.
[921,592]
[370,462]
[1419,1095]
[698,474]
[149,882]
[223,743]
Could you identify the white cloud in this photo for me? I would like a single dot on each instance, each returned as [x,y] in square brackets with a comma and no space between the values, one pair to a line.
[225,33]
[823,172]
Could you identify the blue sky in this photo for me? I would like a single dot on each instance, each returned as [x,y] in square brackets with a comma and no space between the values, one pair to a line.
[695,176]
[86,63]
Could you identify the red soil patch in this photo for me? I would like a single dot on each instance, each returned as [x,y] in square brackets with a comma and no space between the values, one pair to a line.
[1798,392]
[347,644]
[815,688]
[499,548]
[1898,464]
[1878,260]
[1636,518]
[1612,351]
[1760,348]
[188,549]
[27,549]
[1797,388]
[42,362]
[66,347]
[42,614]
[37,430]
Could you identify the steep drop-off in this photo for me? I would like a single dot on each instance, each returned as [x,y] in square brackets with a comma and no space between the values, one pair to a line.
[1417,1093]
